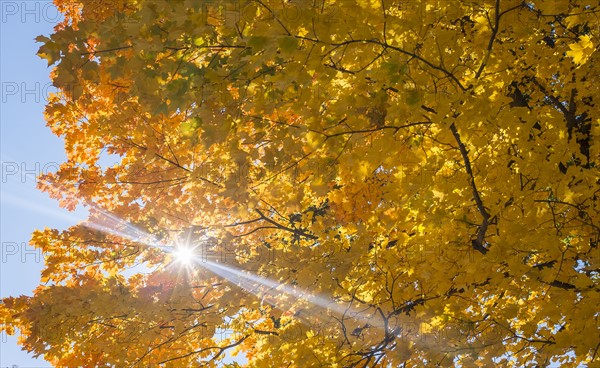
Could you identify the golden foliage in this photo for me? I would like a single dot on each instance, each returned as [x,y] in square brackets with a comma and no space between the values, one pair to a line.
[427,170]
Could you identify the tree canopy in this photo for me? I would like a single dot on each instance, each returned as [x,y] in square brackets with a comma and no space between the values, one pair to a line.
[361,183]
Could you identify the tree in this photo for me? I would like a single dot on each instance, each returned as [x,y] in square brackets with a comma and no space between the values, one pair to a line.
[365,183]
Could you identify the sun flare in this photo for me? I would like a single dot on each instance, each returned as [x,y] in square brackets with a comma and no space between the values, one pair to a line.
[183,255]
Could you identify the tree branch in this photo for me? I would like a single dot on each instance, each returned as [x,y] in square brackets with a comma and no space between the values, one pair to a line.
[479,240]
[297,232]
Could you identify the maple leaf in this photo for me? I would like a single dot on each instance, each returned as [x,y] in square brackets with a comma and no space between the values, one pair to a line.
[581,50]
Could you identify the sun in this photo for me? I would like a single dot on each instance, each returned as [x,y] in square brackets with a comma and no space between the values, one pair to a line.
[183,255]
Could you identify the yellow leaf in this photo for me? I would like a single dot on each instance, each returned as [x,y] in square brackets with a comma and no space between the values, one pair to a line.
[582,50]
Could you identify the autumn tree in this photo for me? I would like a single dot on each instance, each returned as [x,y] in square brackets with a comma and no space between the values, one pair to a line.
[361,183]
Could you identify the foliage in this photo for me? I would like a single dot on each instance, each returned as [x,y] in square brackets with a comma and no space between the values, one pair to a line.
[428,171]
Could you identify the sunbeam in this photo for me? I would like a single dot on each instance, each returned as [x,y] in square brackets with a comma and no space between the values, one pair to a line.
[106,222]
[273,290]
[184,254]
[17,201]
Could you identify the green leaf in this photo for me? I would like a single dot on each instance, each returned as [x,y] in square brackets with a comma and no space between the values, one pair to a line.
[288,44]
[258,42]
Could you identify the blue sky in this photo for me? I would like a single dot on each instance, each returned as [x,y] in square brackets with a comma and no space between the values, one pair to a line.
[27,148]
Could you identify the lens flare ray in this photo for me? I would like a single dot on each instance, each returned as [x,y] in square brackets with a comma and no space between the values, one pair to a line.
[270,290]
